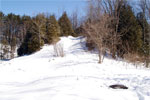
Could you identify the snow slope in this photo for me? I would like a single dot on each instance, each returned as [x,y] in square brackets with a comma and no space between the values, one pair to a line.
[77,76]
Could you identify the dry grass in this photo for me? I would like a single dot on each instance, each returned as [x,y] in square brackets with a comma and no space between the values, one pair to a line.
[136,59]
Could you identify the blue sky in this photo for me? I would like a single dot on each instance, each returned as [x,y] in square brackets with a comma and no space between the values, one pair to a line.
[32,7]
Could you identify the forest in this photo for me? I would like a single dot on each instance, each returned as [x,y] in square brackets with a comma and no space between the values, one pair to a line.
[114,27]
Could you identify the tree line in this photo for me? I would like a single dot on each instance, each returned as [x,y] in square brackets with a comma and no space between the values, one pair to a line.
[29,34]
[112,26]
[115,26]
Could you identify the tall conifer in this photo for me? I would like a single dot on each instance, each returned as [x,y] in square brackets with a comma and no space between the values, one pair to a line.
[131,32]
[52,30]
[65,25]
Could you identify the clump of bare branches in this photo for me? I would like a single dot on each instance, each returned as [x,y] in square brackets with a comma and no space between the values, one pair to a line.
[98,32]
[102,25]
[58,50]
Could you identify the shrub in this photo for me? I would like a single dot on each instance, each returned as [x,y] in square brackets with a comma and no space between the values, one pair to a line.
[59,50]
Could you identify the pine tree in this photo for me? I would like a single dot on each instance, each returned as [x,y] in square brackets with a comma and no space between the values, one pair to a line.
[1,33]
[1,20]
[52,30]
[23,49]
[145,33]
[30,45]
[39,27]
[35,36]
[145,50]
[131,32]
[65,25]
[1,25]
[33,44]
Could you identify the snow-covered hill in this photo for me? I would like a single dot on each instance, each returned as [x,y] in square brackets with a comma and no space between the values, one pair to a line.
[77,76]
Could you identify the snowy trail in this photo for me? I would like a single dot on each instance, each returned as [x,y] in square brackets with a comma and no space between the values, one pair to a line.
[77,76]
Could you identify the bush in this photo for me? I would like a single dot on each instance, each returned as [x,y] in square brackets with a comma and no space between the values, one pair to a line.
[59,50]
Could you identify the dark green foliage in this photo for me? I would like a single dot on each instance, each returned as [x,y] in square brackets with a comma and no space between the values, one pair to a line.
[79,31]
[39,26]
[1,15]
[52,30]
[65,25]
[33,44]
[1,22]
[26,21]
[30,45]
[145,50]
[23,49]
[32,41]
[145,33]
[13,20]
[131,32]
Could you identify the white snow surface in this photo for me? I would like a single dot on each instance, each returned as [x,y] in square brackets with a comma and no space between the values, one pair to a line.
[77,76]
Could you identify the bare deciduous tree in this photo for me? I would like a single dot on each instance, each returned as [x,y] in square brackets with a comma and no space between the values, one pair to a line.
[112,7]
[147,3]
[94,9]
[102,25]
[74,19]
[98,32]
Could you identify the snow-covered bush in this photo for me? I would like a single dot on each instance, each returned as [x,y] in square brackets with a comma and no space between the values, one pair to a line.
[58,50]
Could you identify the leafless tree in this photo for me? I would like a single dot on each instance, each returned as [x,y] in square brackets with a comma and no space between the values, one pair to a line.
[98,32]
[12,29]
[102,25]
[147,4]
[113,7]
[94,9]
[74,19]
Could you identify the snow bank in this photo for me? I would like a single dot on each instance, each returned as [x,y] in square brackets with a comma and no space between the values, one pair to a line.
[77,76]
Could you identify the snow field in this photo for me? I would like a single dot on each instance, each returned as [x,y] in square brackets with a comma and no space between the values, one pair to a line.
[77,76]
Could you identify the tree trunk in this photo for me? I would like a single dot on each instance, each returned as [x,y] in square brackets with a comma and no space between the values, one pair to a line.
[100,57]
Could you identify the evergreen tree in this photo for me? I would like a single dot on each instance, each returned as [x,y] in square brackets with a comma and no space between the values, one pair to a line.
[131,32]
[52,30]
[1,25]
[30,45]
[23,49]
[145,33]
[1,33]
[1,18]
[35,36]
[33,44]
[145,50]
[39,27]
[65,25]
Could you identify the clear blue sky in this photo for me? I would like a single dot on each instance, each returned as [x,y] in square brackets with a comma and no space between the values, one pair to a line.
[32,7]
